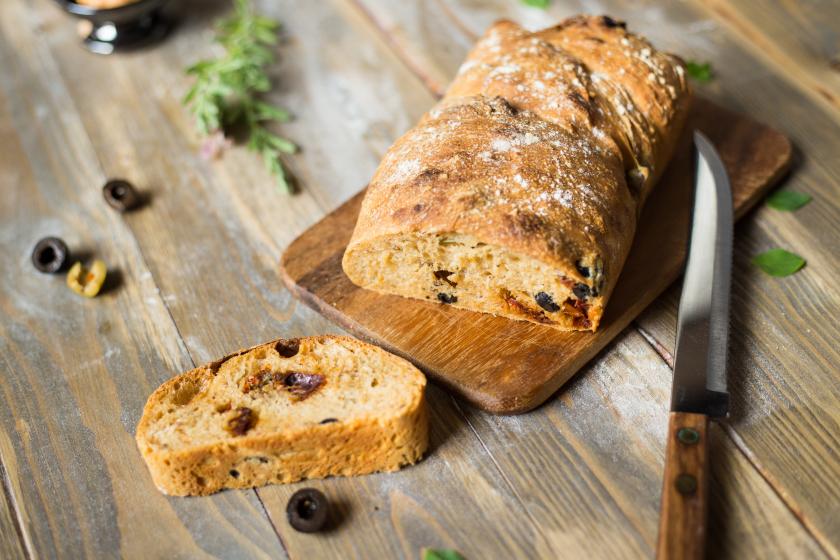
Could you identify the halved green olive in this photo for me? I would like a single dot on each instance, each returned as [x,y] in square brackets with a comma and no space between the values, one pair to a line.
[87,282]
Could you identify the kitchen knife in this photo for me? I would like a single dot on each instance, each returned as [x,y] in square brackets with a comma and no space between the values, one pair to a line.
[699,390]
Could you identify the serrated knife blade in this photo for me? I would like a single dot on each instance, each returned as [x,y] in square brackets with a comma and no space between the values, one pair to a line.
[703,321]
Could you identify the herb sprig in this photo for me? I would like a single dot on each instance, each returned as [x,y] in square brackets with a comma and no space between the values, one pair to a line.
[226,89]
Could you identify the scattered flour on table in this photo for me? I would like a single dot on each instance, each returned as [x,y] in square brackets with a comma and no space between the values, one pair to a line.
[109,353]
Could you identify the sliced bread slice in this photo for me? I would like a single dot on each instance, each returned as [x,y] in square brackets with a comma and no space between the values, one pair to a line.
[284,411]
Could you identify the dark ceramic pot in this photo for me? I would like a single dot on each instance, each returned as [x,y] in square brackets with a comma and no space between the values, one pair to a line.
[134,25]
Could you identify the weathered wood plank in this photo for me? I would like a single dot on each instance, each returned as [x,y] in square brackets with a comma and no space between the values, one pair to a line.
[454,498]
[785,391]
[776,444]
[589,466]
[801,40]
[431,504]
[747,519]
[77,372]
[12,545]
[213,232]
[433,62]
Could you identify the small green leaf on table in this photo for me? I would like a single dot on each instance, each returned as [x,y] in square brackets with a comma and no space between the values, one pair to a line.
[542,4]
[778,262]
[702,72]
[788,201]
[440,554]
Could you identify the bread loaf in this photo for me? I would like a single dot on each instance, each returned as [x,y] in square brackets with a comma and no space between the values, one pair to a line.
[284,411]
[518,194]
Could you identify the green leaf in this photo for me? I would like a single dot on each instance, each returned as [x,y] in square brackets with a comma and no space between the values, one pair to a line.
[441,554]
[702,72]
[788,201]
[778,262]
[542,4]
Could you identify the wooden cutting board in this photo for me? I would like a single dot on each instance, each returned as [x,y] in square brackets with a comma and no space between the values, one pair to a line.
[506,366]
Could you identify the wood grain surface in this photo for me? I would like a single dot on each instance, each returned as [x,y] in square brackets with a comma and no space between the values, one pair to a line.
[801,39]
[580,476]
[11,539]
[506,366]
[683,513]
[76,372]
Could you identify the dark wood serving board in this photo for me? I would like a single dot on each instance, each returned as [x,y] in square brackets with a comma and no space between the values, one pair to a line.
[506,366]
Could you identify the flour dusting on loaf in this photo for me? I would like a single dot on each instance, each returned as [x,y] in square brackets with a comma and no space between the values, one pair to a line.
[518,193]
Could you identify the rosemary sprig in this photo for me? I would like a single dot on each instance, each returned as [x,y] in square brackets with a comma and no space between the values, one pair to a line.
[226,89]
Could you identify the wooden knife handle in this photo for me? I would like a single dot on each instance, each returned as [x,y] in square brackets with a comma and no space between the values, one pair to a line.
[685,488]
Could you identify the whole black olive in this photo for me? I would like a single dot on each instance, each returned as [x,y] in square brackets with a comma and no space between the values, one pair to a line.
[307,510]
[120,195]
[50,254]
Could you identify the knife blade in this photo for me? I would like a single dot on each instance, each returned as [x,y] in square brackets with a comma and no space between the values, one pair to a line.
[699,385]
[703,320]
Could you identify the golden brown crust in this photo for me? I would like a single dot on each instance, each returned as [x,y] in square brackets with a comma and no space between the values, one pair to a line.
[644,92]
[529,73]
[356,446]
[442,175]
[586,72]
[546,144]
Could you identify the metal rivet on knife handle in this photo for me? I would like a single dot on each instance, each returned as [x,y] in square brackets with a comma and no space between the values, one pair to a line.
[688,436]
[686,484]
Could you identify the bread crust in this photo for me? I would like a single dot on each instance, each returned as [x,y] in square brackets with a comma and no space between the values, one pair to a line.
[644,93]
[356,446]
[455,191]
[545,145]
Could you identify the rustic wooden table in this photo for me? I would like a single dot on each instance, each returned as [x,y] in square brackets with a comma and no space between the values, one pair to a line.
[197,267]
